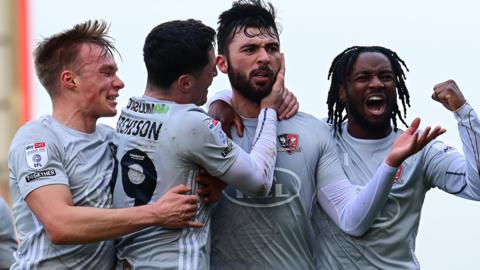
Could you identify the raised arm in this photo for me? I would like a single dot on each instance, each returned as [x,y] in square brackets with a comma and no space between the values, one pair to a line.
[447,168]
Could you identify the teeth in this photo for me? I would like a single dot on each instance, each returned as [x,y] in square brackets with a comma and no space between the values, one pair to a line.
[375,98]
[112,98]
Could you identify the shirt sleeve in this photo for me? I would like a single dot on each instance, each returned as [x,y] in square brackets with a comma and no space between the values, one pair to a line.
[352,211]
[447,168]
[329,168]
[36,160]
[210,148]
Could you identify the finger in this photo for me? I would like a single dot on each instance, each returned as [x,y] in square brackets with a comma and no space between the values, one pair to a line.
[192,199]
[438,86]
[191,209]
[286,103]
[237,121]
[194,224]
[180,189]
[226,129]
[413,126]
[435,133]
[292,111]
[279,82]
[424,135]
[203,192]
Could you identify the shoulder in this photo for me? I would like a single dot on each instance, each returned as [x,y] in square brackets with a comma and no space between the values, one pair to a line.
[307,123]
[105,131]
[33,131]
[190,116]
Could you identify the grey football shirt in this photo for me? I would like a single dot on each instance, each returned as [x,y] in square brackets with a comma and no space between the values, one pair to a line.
[163,144]
[8,242]
[274,232]
[45,152]
[390,242]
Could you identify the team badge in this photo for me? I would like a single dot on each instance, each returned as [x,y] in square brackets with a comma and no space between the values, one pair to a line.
[398,176]
[288,143]
[36,154]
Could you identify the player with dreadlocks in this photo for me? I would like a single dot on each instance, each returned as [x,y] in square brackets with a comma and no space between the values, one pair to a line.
[274,231]
[365,82]
[342,66]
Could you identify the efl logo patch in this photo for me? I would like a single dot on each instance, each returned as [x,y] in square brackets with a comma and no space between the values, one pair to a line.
[40,174]
[288,143]
[36,154]
[398,176]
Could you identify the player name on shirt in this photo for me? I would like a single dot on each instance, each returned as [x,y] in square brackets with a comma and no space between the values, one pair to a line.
[139,127]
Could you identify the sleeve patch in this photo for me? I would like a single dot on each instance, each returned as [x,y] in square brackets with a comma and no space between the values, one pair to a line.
[36,154]
[216,129]
[40,174]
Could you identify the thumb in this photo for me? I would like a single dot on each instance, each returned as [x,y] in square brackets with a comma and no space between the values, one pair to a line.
[279,82]
[238,125]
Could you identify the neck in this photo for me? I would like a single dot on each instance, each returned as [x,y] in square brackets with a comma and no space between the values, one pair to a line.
[75,119]
[368,132]
[165,94]
[243,106]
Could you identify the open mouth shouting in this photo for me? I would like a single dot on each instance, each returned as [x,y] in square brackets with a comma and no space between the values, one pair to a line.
[376,104]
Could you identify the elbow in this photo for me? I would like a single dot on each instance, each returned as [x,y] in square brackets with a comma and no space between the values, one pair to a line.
[264,187]
[57,233]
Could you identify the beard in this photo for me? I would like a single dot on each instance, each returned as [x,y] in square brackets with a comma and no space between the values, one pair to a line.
[248,90]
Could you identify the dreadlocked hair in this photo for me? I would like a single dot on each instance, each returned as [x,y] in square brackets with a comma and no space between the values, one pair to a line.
[339,72]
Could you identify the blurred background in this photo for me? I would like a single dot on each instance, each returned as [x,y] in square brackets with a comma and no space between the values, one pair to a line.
[438,40]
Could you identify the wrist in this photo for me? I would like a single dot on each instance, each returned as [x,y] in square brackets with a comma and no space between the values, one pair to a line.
[392,161]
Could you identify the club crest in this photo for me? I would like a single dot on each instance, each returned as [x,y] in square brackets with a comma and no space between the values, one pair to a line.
[288,143]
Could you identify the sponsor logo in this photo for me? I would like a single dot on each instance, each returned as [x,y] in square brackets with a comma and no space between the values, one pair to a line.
[138,127]
[36,175]
[398,176]
[227,149]
[285,188]
[216,129]
[288,143]
[147,108]
[36,155]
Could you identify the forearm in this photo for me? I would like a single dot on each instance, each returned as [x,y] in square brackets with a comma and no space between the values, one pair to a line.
[253,173]
[468,168]
[75,224]
[355,212]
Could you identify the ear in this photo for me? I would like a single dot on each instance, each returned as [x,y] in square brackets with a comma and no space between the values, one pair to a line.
[342,93]
[222,63]
[184,82]
[68,79]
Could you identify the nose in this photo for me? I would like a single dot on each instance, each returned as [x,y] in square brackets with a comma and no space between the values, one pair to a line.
[375,82]
[118,83]
[263,57]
